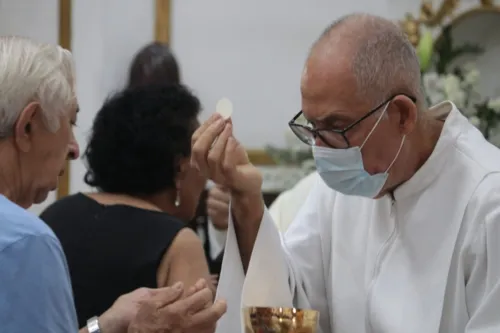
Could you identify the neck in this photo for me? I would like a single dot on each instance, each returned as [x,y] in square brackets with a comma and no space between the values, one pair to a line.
[10,180]
[157,202]
[423,141]
[164,201]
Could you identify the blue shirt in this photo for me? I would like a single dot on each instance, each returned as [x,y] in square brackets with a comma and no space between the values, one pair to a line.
[35,288]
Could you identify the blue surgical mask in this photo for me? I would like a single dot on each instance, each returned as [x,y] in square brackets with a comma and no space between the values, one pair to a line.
[343,169]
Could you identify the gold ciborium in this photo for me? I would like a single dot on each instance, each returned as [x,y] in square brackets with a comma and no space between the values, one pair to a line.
[280,320]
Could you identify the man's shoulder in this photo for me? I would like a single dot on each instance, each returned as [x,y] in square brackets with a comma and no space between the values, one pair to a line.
[17,224]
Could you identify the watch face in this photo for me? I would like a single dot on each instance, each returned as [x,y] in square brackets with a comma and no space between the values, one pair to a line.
[93,325]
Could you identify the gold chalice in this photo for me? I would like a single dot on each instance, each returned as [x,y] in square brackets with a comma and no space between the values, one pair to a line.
[280,320]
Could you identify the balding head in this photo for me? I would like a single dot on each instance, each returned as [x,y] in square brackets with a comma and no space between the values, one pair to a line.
[376,53]
[363,67]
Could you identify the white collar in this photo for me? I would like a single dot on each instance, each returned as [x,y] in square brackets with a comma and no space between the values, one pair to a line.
[453,127]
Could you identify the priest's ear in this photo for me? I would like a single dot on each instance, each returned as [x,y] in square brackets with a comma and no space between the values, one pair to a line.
[407,110]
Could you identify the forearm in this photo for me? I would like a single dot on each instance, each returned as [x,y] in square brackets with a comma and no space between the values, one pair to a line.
[247,213]
[83,330]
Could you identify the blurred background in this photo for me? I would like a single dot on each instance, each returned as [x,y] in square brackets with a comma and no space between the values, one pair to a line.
[251,52]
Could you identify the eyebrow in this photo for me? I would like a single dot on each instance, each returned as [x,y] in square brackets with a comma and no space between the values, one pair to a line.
[332,119]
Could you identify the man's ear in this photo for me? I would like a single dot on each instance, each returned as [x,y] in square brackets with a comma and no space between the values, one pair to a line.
[23,128]
[408,113]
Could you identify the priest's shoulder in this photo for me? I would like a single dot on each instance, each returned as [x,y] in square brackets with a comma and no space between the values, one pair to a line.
[472,146]
[485,201]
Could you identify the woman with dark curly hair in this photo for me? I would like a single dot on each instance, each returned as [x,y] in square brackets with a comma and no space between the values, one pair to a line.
[131,233]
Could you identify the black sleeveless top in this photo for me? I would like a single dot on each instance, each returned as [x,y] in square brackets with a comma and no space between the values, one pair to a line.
[111,250]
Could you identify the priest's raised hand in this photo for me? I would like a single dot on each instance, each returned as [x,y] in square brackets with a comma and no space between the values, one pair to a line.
[217,154]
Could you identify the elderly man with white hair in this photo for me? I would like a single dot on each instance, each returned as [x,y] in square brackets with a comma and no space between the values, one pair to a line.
[402,231]
[38,108]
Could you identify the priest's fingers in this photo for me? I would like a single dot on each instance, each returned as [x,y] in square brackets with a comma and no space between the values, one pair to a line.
[203,143]
[239,172]
[216,153]
[213,118]
[200,130]
[229,162]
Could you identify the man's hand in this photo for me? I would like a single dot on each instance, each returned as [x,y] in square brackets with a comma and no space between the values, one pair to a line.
[118,317]
[226,163]
[218,206]
[167,312]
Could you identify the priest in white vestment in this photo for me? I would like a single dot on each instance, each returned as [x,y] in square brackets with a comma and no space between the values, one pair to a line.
[402,232]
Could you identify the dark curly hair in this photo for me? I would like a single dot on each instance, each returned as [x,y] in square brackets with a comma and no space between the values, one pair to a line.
[154,64]
[138,138]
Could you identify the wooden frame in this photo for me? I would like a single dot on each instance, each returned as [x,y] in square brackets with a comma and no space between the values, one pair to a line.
[162,21]
[65,42]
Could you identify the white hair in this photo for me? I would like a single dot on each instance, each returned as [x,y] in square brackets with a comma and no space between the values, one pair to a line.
[384,61]
[31,71]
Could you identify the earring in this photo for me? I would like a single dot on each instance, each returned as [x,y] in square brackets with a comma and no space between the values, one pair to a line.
[177,202]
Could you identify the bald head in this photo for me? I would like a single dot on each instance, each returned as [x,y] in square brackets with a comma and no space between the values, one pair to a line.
[375,52]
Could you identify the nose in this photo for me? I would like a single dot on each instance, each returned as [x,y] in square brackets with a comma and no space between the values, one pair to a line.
[74,150]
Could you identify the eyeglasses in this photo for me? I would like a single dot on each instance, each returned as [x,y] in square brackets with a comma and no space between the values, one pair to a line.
[335,138]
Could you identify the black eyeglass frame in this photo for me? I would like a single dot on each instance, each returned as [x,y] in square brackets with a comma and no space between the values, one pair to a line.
[316,131]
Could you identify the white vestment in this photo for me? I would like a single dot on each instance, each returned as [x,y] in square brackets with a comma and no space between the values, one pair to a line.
[426,262]
[287,205]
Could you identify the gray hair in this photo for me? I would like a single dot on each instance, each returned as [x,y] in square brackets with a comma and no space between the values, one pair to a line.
[31,71]
[384,61]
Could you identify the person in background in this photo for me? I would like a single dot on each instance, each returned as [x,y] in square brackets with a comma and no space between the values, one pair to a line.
[217,210]
[155,63]
[131,233]
[38,108]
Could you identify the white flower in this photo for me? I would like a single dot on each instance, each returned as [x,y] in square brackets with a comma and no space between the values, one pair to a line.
[475,121]
[432,82]
[453,90]
[435,97]
[471,77]
[494,104]
[451,84]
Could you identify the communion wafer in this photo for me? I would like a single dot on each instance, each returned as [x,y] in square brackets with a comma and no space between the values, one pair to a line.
[224,107]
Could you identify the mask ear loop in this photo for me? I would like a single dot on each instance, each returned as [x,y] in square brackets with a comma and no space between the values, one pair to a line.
[375,126]
[397,154]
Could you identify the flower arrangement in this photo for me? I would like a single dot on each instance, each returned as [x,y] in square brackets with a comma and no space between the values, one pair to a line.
[295,154]
[444,81]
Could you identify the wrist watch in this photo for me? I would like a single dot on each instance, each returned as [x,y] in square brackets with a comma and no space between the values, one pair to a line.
[93,325]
